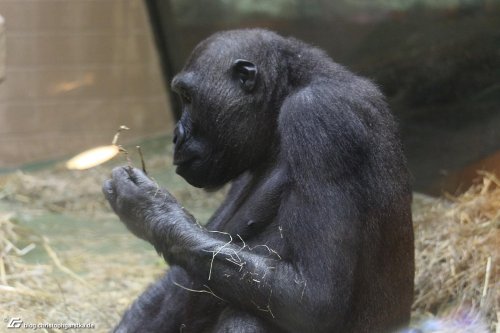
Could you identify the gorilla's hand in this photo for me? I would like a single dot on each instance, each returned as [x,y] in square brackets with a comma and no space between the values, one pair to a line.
[138,201]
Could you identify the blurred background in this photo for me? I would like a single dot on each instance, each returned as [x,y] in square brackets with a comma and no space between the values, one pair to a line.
[75,70]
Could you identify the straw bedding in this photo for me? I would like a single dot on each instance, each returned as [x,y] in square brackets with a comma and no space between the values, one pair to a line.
[457,255]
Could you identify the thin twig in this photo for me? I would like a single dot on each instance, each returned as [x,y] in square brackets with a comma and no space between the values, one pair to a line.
[58,263]
[216,253]
[268,249]
[486,281]
[143,164]
[202,291]
[117,134]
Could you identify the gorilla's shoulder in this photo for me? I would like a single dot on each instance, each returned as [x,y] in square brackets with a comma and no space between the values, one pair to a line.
[332,129]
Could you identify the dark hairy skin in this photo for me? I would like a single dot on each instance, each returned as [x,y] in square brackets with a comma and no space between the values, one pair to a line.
[315,234]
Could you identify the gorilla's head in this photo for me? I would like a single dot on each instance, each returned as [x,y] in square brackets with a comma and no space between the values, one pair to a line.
[231,88]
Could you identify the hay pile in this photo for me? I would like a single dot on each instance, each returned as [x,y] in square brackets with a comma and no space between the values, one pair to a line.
[71,286]
[79,192]
[457,253]
[457,242]
[57,191]
[75,284]
[10,267]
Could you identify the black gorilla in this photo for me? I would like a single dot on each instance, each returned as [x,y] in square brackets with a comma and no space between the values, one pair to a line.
[315,234]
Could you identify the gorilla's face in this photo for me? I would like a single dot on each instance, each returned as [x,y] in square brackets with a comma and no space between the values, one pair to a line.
[227,124]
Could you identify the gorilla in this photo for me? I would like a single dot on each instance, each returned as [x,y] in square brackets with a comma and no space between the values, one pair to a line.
[315,234]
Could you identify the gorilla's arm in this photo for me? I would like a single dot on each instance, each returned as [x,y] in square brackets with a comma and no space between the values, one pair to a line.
[289,290]
[155,216]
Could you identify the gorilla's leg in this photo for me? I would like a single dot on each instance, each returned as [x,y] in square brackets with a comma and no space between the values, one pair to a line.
[235,321]
[170,306]
[160,308]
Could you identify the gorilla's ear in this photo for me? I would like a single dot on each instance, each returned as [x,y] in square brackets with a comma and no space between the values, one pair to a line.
[246,72]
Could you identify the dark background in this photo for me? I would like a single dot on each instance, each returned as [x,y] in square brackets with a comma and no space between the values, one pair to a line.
[438,62]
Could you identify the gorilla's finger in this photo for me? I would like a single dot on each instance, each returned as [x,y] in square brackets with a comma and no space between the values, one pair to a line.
[108,189]
[141,179]
[122,173]
[124,181]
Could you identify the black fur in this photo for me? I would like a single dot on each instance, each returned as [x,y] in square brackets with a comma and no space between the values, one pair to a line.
[315,234]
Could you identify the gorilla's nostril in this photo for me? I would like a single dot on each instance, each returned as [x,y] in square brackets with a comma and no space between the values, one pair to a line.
[179,134]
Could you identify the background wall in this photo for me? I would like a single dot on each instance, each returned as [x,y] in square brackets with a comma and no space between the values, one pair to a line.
[75,71]
[437,62]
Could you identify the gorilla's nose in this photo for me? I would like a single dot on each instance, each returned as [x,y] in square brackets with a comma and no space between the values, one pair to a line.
[179,134]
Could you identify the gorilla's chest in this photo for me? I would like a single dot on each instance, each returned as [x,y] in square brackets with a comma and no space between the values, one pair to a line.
[252,206]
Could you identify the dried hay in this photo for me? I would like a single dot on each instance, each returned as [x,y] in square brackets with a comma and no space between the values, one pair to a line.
[72,287]
[457,254]
[74,284]
[56,190]
[79,192]
[457,242]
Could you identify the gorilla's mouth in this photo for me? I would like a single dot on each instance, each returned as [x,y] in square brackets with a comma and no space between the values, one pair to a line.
[189,170]
[183,160]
